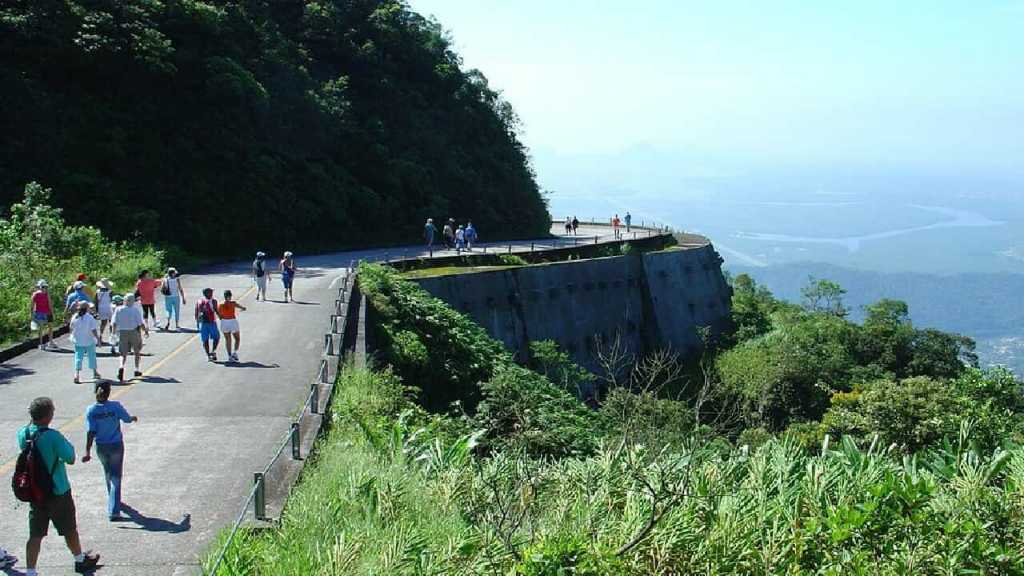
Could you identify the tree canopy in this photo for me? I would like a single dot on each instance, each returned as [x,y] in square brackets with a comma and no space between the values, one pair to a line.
[223,126]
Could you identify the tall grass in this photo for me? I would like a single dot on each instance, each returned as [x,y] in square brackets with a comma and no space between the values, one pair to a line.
[392,491]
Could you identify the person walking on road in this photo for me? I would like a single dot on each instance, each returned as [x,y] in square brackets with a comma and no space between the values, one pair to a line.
[470,236]
[575,224]
[85,336]
[229,324]
[449,234]
[130,325]
[103,427]
[145,290]
[206,318]
[288,269]
[116,301]
[629,221]
[174,297]
[78,294]
[568,225]
[84,279]
[104,306]
[260,275]
[615,226]
[428,233]
[41,312]
[58,507]
[460,239]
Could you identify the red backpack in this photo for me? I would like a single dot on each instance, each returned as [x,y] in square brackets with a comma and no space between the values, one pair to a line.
[32,482]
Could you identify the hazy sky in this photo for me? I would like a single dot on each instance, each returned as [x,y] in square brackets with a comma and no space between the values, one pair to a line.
[930,84]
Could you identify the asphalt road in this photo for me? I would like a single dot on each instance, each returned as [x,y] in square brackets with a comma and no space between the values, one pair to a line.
[203,427]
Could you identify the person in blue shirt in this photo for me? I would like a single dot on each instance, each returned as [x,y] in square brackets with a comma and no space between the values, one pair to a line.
[470,236]
[77,295]
[59,507]
[103,426]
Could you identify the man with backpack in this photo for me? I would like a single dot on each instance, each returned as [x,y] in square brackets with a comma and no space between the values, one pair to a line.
[41,479]
[260,275]
[206,319]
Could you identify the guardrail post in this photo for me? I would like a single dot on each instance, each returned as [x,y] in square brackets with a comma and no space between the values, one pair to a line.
[509,248]
[314,398]
[595,239]
[328,345]
[296,442]
[260,501]
[531,246]
[322,376]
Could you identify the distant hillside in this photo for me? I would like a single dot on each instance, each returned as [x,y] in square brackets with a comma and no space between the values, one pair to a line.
[224,126]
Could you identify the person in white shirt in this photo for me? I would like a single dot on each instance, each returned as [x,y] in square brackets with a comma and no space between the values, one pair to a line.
[104,306]
[130,325]
[84,335]
[174,297]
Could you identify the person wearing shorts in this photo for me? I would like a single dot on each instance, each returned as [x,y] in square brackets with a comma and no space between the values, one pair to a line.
[174,297]
[206,319]
[130,325]
[57,508]
[41,312]
[229,324]
[288,275]
[260,275]
[146,290]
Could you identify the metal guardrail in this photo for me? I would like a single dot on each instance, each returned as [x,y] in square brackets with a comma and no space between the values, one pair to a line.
[333,345]
[635,233]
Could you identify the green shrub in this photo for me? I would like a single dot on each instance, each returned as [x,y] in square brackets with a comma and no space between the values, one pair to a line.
[644,418]
[569,556]
[523,411]
[511,260]
[430,346]
[913,413]
[557,366]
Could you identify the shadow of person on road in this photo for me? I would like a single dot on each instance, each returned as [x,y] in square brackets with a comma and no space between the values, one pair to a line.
[151,524]
[158,380]
[9,373]
[249,364]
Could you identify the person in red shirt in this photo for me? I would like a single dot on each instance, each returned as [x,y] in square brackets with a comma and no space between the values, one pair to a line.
[41,313]
[146,290]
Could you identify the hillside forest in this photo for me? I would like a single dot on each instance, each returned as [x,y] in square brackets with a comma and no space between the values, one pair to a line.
[222,127]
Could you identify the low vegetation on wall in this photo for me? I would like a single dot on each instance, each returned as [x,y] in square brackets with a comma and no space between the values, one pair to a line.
[911,466]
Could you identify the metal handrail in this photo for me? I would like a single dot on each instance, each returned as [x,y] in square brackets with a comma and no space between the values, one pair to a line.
[259,483]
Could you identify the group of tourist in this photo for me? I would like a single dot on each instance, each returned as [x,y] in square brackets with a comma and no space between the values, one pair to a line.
[571,225]
[454,236]
[89,310]
[92,311]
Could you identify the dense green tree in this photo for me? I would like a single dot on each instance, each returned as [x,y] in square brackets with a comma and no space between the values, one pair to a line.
[226,125]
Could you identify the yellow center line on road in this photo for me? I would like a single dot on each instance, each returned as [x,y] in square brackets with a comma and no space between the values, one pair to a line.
[119,391]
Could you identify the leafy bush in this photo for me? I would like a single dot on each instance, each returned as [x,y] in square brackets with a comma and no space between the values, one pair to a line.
[431,346]
[644,418]
[557,366]
[523,411]
[511,260]
[36,243]
[912,413]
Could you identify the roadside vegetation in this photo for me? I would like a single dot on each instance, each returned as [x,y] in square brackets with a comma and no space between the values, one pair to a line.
[36,243]
[872,448]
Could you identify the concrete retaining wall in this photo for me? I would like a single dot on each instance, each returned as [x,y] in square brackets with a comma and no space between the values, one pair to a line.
[654,300]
